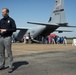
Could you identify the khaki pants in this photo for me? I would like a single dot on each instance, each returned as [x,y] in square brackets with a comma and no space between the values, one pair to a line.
[5,44]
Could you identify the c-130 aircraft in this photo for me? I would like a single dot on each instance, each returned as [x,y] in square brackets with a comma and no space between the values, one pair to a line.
[56,20]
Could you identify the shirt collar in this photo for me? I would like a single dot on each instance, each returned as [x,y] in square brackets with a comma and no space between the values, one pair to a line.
[5,18]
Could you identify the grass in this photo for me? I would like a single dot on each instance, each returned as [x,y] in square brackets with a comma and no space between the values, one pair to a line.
[69,41]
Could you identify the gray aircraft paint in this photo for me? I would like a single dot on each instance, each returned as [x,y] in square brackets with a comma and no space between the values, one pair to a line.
[35,31]
[58,14]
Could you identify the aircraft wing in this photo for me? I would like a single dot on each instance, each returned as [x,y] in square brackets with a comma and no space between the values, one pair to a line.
[61,31]
[45,24]
[52,24]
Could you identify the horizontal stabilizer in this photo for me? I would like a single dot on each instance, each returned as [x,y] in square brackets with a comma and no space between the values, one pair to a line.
[69,26]
[66,25]
[61,31]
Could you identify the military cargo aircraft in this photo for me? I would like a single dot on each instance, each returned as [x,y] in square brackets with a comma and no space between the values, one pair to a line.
[56,20]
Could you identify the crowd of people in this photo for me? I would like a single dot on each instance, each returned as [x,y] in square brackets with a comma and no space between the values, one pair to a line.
[54,40]
[47,40]
[44,40]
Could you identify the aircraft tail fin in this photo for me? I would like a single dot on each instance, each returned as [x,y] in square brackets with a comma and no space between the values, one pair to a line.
[58,15]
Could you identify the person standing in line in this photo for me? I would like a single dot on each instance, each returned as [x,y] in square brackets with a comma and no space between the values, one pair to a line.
[49,39]
[24,38]
[7,27]
[62,40]
[27,39]
[53,41]
[65,41]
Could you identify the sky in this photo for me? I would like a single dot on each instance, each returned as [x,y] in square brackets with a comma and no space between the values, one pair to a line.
[23,11]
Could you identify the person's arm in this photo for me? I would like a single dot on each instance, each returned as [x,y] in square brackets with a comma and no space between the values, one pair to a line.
[13,27]
[0,26]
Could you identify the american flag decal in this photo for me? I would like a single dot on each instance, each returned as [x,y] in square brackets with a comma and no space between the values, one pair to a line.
[58,3]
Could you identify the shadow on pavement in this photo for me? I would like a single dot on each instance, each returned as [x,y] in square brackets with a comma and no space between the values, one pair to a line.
[19,63]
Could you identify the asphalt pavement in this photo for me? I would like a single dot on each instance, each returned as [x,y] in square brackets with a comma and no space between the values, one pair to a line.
[46,63]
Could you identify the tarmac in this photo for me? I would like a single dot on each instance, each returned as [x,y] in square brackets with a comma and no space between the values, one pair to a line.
[42,59]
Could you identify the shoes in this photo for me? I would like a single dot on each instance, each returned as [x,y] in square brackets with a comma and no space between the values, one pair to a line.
[10,70]
[3,67]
